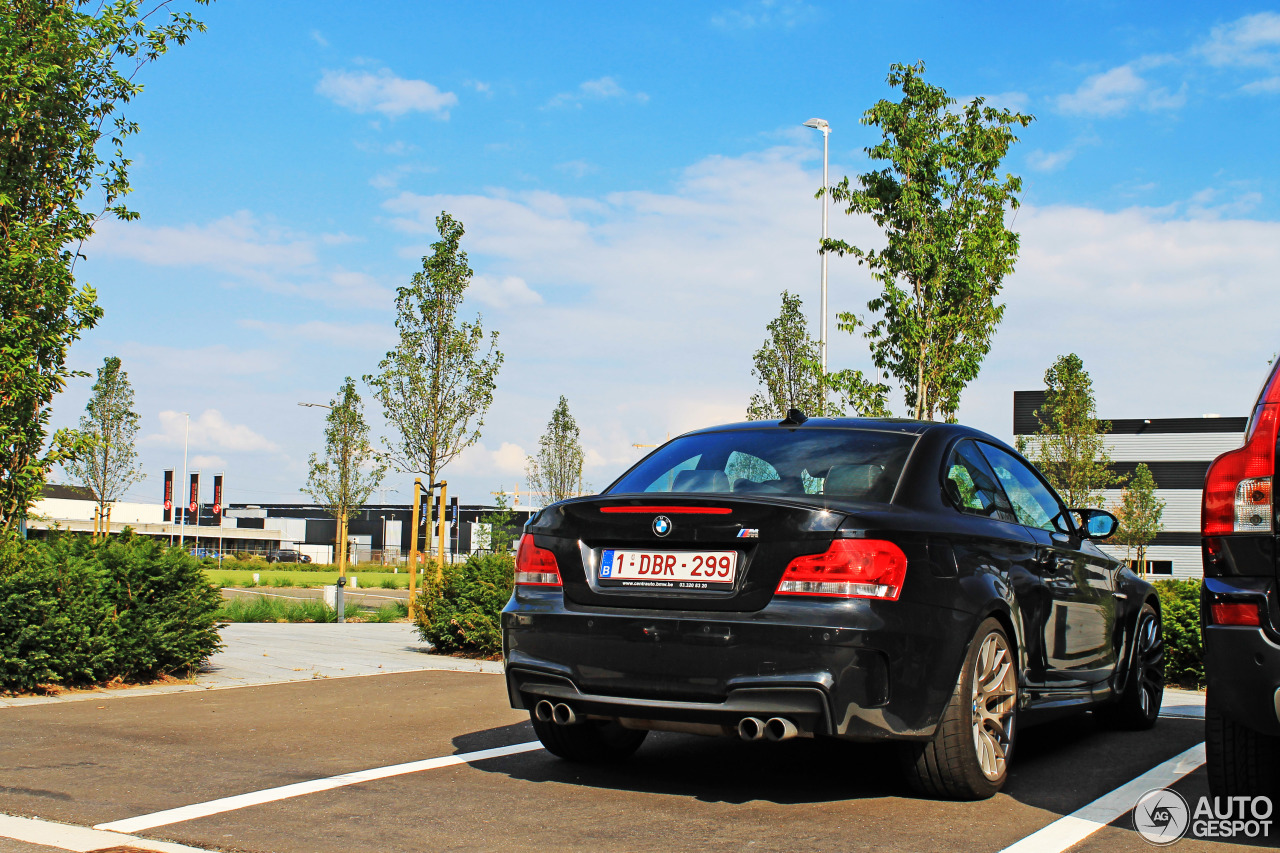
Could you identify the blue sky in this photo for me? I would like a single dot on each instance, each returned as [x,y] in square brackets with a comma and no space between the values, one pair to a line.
[637,191]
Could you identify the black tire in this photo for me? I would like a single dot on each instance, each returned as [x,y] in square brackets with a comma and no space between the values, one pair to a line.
[950,766]
[1138,707]
[1239,761]
[588,742]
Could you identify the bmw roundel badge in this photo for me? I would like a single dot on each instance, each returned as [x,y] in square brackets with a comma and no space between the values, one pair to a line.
[661,525]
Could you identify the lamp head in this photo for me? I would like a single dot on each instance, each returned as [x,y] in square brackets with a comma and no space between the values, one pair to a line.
[818,124]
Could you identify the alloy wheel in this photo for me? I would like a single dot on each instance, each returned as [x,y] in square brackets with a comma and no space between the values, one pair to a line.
[1149,660]
[994,702]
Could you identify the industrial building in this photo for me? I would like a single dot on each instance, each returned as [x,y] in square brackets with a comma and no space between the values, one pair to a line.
[1178,452]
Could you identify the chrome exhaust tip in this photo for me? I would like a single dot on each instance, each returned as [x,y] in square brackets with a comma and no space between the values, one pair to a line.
[563,715]
[780,728]
[751,728]
[543,711]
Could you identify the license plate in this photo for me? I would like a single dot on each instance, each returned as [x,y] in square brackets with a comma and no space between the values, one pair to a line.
[668,569]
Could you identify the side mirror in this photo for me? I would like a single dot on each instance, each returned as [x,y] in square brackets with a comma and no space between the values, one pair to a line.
[1096,523]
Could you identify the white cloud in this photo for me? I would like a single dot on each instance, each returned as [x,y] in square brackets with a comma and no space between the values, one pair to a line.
[253,253]
[577,168]
[319,38]
[384,92]
[353,335]
[1265,86]
[764,13]
[601,89]
[391,178]
[208,463]
[210,430]
[1253,40]
[1050,161]
[1116,91]
[508,460]
[506,292]
[231,243]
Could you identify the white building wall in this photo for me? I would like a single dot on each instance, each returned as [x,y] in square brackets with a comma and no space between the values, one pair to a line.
[78,510]
[1187,562]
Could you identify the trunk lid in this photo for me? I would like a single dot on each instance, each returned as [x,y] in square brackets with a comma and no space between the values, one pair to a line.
[665,537]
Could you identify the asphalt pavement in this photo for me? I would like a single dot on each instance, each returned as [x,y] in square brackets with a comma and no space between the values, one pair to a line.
[434,758]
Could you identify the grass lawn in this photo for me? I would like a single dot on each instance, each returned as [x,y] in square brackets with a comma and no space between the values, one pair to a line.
[263,609]
[304,580]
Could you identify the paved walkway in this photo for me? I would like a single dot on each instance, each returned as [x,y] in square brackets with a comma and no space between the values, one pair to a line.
[270,653]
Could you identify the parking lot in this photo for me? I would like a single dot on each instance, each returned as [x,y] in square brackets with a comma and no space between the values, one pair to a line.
[443,764]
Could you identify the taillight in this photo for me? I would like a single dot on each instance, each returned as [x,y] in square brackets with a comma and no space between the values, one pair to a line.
[1237,488]
[1235,613]
[535,566]
[850,568]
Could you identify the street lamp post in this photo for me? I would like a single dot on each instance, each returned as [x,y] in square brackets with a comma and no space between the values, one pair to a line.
[821,124]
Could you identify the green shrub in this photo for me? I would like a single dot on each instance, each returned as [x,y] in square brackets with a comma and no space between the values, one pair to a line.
[75,612]
[1180,613]
[462,611]
[263,609]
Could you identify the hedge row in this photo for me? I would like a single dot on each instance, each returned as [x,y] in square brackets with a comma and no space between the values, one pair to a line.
[77,612]
[1180,613]
[462,611]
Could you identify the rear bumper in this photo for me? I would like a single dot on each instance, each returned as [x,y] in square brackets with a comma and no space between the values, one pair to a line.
[1242,667]
[873,671]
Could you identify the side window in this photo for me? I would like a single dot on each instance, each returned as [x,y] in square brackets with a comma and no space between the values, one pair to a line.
[973,487]
[1033,503]
[666,481]
[744,466]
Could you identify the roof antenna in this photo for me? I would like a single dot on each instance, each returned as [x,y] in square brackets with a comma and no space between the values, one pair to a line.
[795,417]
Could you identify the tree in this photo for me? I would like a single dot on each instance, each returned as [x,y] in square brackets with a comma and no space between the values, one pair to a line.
[789,367]
[942,206]
[109,465]
[436,385]
[349,472]
[1069,449]
[65,74]
[1140,514]
[556,472]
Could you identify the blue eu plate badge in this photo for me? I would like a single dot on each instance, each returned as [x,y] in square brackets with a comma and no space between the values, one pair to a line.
[606,564]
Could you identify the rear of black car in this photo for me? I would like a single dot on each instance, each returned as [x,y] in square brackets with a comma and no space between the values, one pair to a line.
[738,575]
[1239,614]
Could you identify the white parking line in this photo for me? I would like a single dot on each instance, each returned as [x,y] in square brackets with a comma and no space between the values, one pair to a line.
[64,836]
[298,789]
[1071,830]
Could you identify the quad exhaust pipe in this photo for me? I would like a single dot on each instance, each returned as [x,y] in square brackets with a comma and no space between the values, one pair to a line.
[775,729]
[559,713]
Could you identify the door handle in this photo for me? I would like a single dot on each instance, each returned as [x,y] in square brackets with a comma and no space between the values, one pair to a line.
[1120,595]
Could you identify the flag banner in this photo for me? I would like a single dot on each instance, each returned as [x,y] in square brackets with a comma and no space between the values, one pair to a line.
[193,501]
[217,498]
[168,494]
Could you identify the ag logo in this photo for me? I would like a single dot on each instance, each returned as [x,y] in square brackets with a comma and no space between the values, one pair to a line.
[662,525]
[1161,816]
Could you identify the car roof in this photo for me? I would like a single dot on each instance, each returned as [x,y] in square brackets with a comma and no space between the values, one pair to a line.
[900,425]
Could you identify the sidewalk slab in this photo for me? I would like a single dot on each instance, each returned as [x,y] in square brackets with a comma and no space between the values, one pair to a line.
[257,653]
[1187,704]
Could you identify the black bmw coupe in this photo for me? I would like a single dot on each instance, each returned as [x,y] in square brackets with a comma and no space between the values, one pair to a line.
[865,579]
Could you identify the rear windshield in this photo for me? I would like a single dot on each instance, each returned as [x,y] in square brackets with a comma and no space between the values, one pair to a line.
[844,464]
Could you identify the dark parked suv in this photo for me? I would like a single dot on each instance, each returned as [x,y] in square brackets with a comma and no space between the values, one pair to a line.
[873,580]
[1239,612]
[287,555]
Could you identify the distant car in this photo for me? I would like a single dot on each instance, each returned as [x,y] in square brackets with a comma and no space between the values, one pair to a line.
[286,555]
[871,580]
[1239,614]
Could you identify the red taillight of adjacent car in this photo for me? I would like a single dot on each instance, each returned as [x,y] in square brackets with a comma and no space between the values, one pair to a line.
[1237,488]
[1235,613]
[535,566]
[850,568]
